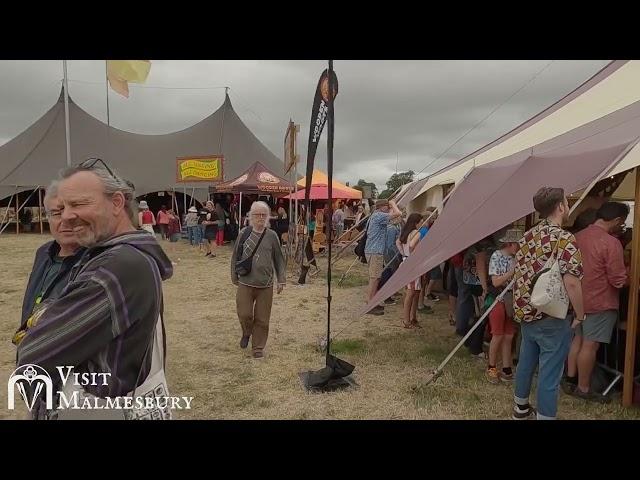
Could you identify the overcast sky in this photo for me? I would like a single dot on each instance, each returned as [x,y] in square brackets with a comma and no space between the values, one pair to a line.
[412,109]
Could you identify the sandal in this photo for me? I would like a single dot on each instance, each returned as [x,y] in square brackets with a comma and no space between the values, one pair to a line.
[408,326]
[415,323]
[451,319]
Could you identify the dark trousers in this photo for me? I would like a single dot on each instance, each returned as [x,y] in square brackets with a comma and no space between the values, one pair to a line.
[464,307]
[466,316]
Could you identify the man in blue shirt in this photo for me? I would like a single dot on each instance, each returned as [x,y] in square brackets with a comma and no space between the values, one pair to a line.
[376,243]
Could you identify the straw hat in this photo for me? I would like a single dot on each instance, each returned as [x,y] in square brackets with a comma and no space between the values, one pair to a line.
[143,205]
[193,210]
[512,236]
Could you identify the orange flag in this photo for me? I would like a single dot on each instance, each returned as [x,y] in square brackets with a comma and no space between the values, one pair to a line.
[121,72]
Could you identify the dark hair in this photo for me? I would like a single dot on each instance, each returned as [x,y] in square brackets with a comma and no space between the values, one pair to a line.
[410,226]
[585,219]
[547,199]
[612,210]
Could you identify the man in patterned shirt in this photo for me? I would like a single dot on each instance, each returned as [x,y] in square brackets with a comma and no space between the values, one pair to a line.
[545,340]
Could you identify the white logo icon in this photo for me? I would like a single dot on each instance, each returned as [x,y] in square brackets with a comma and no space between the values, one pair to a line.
[266,177]
[34,376]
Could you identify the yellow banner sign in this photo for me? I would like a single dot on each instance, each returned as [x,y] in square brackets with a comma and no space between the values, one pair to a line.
[200,169]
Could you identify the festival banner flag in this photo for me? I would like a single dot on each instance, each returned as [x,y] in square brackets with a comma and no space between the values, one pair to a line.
[121,72]
[318,119]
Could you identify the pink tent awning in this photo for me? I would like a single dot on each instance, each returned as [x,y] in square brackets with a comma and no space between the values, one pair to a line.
[321,192]
[498,193]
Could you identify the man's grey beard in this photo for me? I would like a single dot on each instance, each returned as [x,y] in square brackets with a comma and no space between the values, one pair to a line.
[92,239]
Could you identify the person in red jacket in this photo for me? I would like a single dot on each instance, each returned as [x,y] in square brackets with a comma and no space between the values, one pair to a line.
[146,220]
[174,230]
[163,222]
[604,275]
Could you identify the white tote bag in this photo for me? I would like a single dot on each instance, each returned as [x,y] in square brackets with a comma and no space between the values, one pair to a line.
[154,386]
[548,293]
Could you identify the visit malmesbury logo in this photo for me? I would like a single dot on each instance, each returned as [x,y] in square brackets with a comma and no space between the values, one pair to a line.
[35,384]
[30,380]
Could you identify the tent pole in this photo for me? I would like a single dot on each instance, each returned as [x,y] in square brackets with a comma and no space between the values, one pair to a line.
[40,210]
[632,312]
[177,210]
[19,208]
[185,200]
[66,112]
[106,81]
[240,212]
[6,213]
[226,94]
[295,189]
[17,222]
[291,215]
[106,86]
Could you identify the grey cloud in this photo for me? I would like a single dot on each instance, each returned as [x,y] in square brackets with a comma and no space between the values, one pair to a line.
[415,108]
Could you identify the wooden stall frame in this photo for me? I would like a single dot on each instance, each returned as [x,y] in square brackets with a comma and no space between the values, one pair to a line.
[632,315]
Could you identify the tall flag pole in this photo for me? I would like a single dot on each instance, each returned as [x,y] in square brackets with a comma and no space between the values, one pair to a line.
[106,82]
[106,78]
[66,111]
[330,128]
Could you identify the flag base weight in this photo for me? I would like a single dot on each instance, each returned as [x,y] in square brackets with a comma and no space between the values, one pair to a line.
[332,385]
[336,375]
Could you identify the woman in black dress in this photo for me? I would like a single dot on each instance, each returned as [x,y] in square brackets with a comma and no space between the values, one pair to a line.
[210,223]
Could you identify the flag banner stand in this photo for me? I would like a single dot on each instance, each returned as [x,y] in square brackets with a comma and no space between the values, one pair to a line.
[336,374]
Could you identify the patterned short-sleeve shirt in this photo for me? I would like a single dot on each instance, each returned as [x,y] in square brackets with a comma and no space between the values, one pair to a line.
[500,263]
[534,250]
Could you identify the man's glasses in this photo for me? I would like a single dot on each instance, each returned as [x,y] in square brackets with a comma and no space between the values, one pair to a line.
[261,215]
[90,163]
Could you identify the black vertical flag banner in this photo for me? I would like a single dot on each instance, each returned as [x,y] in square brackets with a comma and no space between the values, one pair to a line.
[331,377]
[318,119]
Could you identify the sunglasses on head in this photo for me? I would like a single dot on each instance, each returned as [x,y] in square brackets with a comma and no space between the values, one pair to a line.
[90,163]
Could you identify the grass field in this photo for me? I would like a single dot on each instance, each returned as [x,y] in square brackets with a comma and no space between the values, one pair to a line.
[205,361]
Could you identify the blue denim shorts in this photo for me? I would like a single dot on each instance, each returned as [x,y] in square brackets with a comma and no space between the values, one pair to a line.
[435,274]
